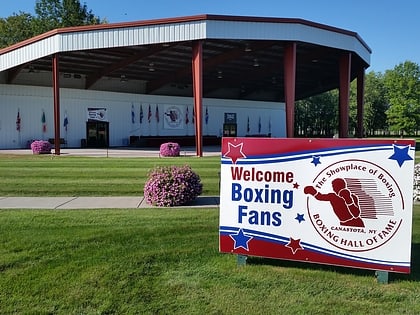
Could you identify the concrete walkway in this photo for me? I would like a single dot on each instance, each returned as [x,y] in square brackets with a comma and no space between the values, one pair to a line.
[66,203]
[120,152]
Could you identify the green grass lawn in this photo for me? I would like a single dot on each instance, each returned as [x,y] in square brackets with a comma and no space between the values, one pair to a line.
[42,175]
[159,261]
[166,261]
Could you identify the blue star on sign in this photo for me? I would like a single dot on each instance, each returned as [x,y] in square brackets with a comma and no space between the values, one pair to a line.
[401,154]
[241,240]
[300,217]
[315,160]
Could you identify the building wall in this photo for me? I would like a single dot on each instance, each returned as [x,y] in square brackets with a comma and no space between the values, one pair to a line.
[31,102]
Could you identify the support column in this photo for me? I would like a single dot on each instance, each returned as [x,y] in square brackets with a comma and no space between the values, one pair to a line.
[344,95]
[290,86]
[360,102]
[56,97]
[197,76]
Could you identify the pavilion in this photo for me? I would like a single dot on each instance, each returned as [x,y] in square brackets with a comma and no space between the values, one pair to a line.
[205,56]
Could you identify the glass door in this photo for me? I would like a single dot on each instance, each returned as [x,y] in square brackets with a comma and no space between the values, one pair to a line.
[97,134]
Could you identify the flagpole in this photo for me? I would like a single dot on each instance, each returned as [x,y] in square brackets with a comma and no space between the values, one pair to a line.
[18,127]
[157,119]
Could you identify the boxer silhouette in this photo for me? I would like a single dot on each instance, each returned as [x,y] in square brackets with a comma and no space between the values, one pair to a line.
[344,203]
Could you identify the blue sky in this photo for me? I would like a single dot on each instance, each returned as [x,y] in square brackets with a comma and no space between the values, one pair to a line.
[390,28]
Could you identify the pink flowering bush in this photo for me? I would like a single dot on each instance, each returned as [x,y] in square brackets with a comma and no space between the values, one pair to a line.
[169,186]
[169,149]
[416,183]
[40,147]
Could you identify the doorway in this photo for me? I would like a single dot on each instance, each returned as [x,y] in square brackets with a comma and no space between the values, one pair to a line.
[97,134]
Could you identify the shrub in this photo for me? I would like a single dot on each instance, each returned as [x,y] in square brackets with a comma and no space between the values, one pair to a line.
[40,147]
[169,149]
[170,186]
[416,184]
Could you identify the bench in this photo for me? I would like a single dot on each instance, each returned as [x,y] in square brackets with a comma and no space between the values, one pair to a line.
[62,141]
[156,141]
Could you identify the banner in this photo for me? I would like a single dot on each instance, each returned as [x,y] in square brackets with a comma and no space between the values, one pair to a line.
[98,114]
[342,202]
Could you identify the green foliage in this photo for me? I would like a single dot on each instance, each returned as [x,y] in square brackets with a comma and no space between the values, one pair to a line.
[375,104]
[317,115]
[163,261]
[50,14]
[403,92]
[16,28]
[391,102]
[53,14]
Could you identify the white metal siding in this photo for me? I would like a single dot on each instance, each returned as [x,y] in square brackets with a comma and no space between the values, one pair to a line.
[31,101]
[132,36]
[182,31]
[27,53]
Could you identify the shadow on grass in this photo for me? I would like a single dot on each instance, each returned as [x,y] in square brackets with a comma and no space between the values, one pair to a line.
[413,276]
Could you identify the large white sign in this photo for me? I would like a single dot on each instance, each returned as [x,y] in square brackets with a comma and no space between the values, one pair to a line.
[332,201]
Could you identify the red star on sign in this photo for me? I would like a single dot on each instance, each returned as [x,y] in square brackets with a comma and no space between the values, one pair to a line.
[235,152]
[294,245]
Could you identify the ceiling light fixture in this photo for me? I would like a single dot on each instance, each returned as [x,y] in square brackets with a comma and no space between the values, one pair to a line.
[247,48]
[256,64]
[220,74]
[123,78]
[151,67]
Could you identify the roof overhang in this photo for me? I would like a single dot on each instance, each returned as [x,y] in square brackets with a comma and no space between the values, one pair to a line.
[242,56]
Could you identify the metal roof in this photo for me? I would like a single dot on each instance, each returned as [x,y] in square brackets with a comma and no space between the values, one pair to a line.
[242,56]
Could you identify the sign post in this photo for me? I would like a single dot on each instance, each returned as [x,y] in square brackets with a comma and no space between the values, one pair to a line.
[343,202]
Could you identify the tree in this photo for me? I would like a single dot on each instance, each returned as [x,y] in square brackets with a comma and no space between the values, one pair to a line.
[50,14]
[375,104]
[16,28]
[317,115]
[403,92]
[53,14]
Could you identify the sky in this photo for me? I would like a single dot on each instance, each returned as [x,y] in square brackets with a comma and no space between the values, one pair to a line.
[390,28]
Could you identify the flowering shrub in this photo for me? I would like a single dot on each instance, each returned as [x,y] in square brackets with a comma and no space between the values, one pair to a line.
[169,149]
[416,184]
[40,147]
[170,186]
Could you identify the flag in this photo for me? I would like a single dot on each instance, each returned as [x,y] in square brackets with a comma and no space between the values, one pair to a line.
[133,116]
[193,115]
[149,115]
[141,114]
[157,113]
[187,120]
[259,125]
[44,122]
[66,121]
[18,121]
[247,126]
[207,115]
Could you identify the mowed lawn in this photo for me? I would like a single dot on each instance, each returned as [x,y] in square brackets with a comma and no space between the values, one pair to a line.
[166,261]
[160,261]
[45,175]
